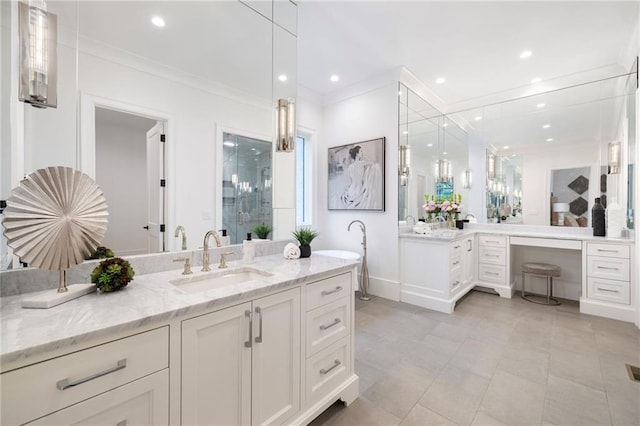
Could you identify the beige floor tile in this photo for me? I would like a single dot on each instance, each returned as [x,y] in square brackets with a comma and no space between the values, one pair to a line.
[569,403]
[422,355]
[576,368]
[514,400]
[574,340]
[362,413]
[368,374]
[442,344]
[479,357]
[618,344]
[394,395]
[455,394]
[484,419]
[525,363]
[451,331]
[415,375]
[420,416]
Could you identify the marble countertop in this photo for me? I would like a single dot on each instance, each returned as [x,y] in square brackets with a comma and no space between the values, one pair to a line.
[557,232]
[146,300]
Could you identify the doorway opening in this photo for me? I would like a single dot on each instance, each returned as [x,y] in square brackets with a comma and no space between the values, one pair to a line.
[130,170]
[246,185]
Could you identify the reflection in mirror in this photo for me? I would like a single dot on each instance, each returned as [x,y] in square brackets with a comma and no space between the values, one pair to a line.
[504,189]
[570,194]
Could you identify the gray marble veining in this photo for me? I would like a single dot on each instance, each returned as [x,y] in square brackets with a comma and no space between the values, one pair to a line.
[148,299]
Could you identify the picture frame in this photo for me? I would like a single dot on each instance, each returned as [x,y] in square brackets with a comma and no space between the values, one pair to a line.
[356,176]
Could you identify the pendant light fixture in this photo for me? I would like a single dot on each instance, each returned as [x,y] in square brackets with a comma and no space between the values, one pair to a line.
[404,164]
[491,166]
[38,57]
[443,166]
[614,157]
[286,117]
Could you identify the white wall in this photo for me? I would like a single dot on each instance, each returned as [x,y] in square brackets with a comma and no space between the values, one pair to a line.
[371,115]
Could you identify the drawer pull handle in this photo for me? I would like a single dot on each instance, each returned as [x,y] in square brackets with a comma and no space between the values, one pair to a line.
[492,241]
[608,251]
[607,290]
[491,255]
[326,293]
[248,314]
[65,384]
[456,247]
[335,364]
[456,283]
[457,262]
[608,268]
[259,336]
[335,322]
[492,273]
[122,423]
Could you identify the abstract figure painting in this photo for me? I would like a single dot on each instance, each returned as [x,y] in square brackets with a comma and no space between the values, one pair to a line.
[356,176]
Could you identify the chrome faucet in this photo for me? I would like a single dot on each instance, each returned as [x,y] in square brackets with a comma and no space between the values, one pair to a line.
[363,228]
[180,229]
[413,219]
[364,271]
[205,249]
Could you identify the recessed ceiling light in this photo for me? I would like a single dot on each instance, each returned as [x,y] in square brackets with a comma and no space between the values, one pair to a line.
[536,80]
[258,153]
[550,140]
[253,149]
[429,145]
[400,93]
[505,147]
[444,153]
[440,80]
[541,105]
[445,125]
[546,126]
[334,78]
[282,77]
[228,143]
[526,54]
[405,132]
[158,21]
[478,118]
[513,155]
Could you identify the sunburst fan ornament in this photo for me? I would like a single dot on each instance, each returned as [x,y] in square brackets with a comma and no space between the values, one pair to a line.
[55,218]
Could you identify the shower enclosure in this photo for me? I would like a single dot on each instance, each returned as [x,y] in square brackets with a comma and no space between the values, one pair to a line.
[246,185]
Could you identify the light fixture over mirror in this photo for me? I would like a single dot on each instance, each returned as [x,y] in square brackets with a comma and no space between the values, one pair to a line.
[491,166]
[614,157]
[286,125]
[466,179]
[38,56]
[404,164]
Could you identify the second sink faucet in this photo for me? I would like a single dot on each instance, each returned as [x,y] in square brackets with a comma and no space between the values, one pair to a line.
[205,249]
[180,229]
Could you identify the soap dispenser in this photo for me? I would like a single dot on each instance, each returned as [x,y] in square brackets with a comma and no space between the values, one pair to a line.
[225,240]
[248,249]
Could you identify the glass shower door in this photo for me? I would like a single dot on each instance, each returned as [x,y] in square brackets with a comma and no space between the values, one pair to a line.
[246,185]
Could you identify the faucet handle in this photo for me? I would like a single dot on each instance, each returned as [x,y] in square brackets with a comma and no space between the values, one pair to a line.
[187,265]
[223,260]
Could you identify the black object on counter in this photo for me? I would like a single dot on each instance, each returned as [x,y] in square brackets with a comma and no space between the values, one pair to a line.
[460,223]
[597,219]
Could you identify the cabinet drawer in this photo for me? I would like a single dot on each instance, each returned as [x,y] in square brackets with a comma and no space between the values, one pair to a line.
[493,256]
[329,290]
[328,369]
[455,281]
[491,273]
[612,268]
[95,370]
[457,247]
[608,290]
[492,240]
[456,263]
[608,250]
[327,324]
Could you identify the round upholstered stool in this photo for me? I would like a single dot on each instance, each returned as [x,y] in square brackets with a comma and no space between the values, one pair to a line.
[545,270]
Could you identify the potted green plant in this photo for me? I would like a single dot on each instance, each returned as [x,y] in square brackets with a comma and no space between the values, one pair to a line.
[101,252]
[304,237]
[262,231]
[112,274]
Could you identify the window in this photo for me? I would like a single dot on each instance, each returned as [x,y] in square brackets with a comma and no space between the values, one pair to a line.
[303,180]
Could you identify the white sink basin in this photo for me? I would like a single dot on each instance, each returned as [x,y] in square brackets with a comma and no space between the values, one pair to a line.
[197,283]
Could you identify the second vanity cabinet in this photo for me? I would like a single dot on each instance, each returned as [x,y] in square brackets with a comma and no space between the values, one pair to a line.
[241,365]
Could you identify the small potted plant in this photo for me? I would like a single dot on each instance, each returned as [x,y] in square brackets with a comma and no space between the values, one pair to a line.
[262,231]
[304,237]
[112,274]
[101,252]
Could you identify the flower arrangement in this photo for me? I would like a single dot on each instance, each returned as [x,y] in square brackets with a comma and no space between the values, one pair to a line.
[112,274]
[439,206]
[101,252]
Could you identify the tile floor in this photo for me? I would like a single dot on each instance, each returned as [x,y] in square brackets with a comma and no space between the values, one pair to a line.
[493,362]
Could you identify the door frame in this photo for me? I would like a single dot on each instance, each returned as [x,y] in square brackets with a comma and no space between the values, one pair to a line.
[86,149]
[220,131]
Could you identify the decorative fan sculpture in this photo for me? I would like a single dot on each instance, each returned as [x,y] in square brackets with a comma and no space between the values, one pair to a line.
[55,217]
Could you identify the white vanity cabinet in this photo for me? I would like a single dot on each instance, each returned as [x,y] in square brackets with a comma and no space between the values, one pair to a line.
[241,365]
[493,259]
[119,382]
[436,273]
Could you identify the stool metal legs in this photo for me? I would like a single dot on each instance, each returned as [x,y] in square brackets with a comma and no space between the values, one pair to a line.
[548,299]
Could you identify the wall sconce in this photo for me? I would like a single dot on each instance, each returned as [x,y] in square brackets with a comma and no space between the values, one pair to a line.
[491,167]
[443,171]
[404,164]
[286,125]
[466,179]
[614,157]
[38,56]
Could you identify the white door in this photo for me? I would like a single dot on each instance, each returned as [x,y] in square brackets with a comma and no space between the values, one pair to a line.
[155,173]
[276,358]
[216,368]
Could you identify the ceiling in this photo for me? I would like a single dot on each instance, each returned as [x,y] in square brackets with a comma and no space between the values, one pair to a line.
[475,46]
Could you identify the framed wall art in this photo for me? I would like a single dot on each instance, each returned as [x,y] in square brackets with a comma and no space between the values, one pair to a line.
[356,176]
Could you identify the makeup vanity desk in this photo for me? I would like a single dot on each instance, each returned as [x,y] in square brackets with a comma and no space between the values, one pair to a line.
[436,271]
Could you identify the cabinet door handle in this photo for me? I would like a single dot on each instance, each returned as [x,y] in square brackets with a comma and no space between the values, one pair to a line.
[335,322]
[65,384]
[335,364]
[608,251]
[326,293]
[607,290]
[259,336]
[248,314]
[607,268]
[470,245]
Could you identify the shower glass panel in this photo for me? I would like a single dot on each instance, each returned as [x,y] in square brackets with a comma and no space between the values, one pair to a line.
[246,185]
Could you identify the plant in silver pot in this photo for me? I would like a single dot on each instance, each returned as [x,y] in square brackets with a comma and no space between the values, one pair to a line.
[304,237]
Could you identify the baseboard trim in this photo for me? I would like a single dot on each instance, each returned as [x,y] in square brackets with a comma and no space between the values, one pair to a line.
[607,310]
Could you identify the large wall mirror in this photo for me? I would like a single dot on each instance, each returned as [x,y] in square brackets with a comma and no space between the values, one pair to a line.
[533,138]
[212,67]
